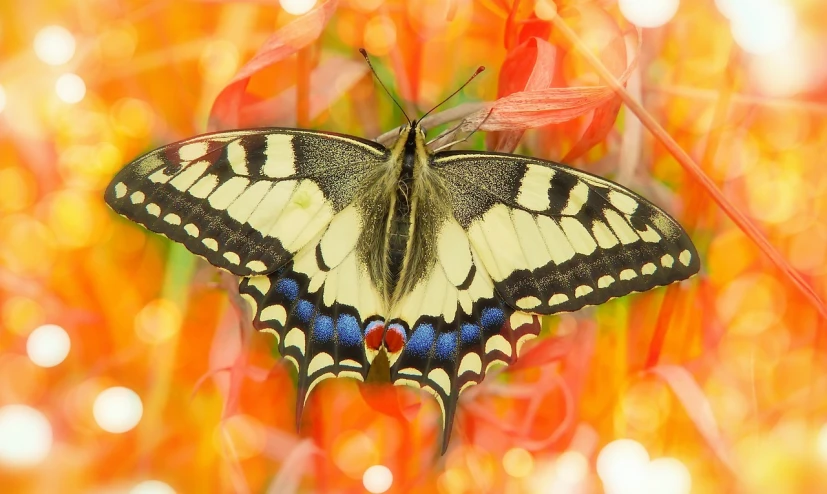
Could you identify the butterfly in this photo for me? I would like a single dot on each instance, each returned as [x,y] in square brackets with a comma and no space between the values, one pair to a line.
[439,262]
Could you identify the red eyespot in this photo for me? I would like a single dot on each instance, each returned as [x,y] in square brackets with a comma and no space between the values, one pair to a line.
[395,338]
[373,335]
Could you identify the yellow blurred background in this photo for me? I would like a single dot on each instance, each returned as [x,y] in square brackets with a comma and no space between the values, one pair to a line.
[125,367]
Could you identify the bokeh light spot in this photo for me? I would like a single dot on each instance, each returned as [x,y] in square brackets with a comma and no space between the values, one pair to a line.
[545,9]
[648,13]
[353,452]
[117,409]
[572,467]
[668,476]
[218,61]
[297,7]
[2,98]
[25,436]
[762,26]
[158,321]
[518,462]
[54,45]
[380,35]
[70,88]
[48,345]
[152,487]
[377,479]
[621,465]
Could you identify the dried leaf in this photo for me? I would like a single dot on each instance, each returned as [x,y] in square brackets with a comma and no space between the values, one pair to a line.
[297,34]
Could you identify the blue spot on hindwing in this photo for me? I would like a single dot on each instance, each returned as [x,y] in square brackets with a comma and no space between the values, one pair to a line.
[421,340]
[348,330]
[304,311]
[469,333]
[288,288]
[323,328]
[446,345]
[492,318]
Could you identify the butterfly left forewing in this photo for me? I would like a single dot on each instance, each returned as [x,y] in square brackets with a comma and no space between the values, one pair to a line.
[556,239]
[245,200]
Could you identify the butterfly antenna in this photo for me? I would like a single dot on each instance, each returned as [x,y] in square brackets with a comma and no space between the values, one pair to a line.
[365,54]
[479,70]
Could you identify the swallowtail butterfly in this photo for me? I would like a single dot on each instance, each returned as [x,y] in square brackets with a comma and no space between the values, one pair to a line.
[440,261]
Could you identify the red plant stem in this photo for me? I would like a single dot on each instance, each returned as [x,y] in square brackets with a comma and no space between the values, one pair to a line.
[694,170]
[661,326]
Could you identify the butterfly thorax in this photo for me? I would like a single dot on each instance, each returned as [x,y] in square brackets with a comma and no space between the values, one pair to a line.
[402,206]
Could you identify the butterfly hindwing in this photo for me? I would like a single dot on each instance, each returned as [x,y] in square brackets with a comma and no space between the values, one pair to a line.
[449,330]
[245,200]
[319,306]
[556,239]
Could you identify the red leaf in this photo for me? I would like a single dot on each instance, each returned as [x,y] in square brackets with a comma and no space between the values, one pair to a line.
[294,36]
[529,67]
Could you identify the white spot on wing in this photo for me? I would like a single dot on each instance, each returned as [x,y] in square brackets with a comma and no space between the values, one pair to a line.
[270,208]
[622,229]
[558,245]
[648,268]
[193,151]
[341,236]
[441,379]
[582,290]
[604,236]
[528,302]
[186,177]
[685,257]
[454,252]
[120,190]
[172,219]
[210,243]
[518,319]
[410,371]
[260,283]
[470,362]
[627,274]
[137,197]
[274,313]
[530,238]
[228,192]
[558,298]
[280,158]
[498,342]
[605,281]
[295,337]
[232,257]
[319,362]
[153,209]
[256,266]
[192,230]
[577,197]
[533,193]
[237,156]
[649,235]
[578,236]
[204,186]
[159,177]
[241,209]
[622,202]
[667,261]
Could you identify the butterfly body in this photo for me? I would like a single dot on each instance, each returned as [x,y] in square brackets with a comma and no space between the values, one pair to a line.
[440,261]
